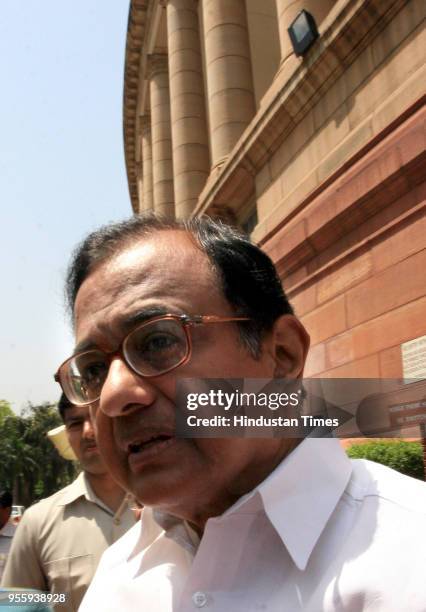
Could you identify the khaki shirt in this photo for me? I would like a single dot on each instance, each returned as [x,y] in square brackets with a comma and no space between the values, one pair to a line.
[60,540]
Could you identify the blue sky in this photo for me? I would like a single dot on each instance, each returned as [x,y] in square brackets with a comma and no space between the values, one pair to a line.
[61,170]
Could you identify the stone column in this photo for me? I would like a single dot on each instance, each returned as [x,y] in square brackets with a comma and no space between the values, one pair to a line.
[229,74]
[139,183]
[145,122]
[289,9]
[191,163]
[162,165]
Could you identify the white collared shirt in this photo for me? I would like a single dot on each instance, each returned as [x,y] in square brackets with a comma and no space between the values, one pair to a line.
[320,534]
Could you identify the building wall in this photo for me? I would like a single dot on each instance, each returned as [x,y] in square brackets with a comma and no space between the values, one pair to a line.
[360,290]
[328,169]
[385,79]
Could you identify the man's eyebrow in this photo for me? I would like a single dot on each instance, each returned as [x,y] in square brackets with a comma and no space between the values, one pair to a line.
[73,416]
[73,419]
[141,316]
[128,324]
[84,345]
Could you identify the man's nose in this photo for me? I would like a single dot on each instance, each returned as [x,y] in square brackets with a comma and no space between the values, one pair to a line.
[88,431]
[124,391]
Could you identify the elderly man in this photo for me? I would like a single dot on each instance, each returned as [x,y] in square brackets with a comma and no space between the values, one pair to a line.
[60,540]
[232,524]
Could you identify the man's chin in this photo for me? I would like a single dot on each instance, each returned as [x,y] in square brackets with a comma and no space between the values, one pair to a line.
[92,462]
[159,490]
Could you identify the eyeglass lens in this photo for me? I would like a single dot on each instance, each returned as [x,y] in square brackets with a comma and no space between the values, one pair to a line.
[156,347]
[151,349]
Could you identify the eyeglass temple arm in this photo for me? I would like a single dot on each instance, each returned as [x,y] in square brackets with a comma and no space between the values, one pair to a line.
[200,319]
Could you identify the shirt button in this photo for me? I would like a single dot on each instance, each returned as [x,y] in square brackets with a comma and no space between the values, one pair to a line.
[200,599]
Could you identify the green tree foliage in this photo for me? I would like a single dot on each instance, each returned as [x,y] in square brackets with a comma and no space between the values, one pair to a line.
[5,410]
[30,466]
[406,457]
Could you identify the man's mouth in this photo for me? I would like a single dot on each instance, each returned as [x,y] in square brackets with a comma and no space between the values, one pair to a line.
[148,447]
[136,447]
[91,448]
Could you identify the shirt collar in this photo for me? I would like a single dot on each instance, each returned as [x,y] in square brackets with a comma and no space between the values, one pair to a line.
[150,527]
[300,495]
[154,523]
[81,488]
[298,498]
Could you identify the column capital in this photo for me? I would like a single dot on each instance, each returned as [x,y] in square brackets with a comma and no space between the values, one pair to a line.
[157,63]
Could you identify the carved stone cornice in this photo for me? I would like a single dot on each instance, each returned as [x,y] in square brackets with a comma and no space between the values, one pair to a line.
[136,32]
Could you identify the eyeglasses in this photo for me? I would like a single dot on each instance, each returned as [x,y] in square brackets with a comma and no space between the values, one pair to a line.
[155,347]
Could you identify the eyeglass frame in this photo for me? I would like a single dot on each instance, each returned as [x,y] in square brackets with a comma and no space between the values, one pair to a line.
[185,320]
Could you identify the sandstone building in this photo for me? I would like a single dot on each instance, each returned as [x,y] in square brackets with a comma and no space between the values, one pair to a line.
[321,157]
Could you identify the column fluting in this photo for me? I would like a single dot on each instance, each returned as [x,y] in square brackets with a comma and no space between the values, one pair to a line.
[148,202]
[161,136]
[229,74]
[191,159]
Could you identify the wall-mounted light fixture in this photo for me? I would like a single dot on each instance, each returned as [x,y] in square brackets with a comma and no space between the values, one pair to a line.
[303,32]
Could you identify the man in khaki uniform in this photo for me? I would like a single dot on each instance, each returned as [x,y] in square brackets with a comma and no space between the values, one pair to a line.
[60,540]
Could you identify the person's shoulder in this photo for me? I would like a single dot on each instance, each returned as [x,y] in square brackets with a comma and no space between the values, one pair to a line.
[48,504]
[372,480]
[381,549]
[8,530]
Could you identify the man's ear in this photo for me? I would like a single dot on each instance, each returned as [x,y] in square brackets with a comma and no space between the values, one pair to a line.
[290,344]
